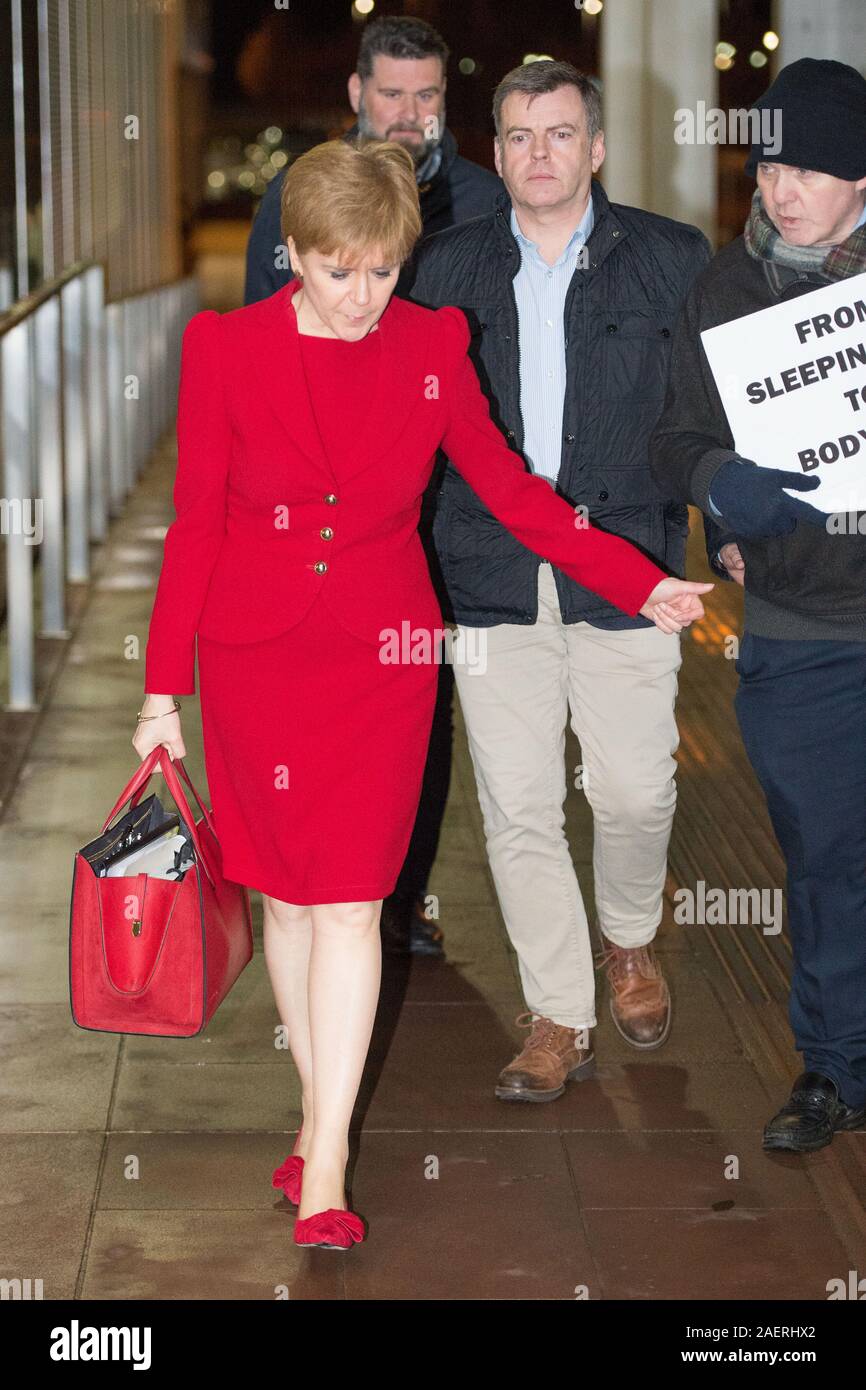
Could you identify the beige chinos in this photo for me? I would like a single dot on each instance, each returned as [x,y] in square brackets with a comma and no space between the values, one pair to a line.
[620,688]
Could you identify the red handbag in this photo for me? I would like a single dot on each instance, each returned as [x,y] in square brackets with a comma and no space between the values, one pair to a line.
[151,955]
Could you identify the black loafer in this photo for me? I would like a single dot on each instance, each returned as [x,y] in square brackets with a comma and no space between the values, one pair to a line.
[407,931]
[425,934]
[812,1116]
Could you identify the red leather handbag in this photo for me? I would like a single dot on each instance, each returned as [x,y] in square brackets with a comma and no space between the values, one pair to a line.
[150,955]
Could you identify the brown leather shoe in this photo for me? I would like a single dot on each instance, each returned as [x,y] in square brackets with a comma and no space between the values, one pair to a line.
[640,1001]
[550,1056]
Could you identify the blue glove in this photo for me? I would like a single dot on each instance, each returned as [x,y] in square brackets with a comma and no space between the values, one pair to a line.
[751,500]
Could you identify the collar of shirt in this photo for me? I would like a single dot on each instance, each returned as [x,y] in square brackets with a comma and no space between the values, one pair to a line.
[577,238]
[541,292]
[860,220]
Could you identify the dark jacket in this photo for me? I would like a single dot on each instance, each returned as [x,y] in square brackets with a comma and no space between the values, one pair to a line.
[795,584]
[619,317]
[458,191]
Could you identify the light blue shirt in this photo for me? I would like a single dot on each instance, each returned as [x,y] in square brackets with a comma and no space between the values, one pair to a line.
[862,219]
[540,291]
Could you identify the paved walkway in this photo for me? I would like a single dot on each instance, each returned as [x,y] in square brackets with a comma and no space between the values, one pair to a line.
[137,1168]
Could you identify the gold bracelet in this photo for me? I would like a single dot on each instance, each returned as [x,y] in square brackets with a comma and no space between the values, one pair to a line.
[143,717]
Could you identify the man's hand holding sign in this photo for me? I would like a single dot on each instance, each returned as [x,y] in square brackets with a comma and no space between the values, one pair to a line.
[798,421]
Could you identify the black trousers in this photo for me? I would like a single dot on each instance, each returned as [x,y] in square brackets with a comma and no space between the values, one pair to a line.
[801,707]
[412,882]
[414,876]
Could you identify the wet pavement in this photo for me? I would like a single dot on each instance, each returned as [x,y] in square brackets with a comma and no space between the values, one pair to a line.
[137,1168]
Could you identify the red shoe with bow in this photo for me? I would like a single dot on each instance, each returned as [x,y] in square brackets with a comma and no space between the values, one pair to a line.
[330,1230]
[288,1175]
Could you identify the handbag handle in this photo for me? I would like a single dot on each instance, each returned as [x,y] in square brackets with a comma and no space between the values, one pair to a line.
[139,780]
[136,784]
[142,775]
[178,763]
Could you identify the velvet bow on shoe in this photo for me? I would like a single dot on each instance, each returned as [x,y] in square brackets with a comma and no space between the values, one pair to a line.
[332,1229]
[288,1175]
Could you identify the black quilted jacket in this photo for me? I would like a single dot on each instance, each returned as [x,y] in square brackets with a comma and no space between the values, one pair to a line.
[620,313]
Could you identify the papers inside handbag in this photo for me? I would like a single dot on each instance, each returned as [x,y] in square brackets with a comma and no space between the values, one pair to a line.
[137,827]
[168,855]
[142,826]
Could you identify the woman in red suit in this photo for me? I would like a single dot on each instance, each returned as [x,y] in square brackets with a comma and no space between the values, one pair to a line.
[307,427]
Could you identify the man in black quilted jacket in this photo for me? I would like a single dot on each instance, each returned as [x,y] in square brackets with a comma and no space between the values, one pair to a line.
[572,301]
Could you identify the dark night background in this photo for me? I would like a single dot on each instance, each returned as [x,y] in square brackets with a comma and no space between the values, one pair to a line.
[289,68]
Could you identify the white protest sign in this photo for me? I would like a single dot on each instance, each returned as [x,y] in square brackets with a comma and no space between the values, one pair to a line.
[792,379]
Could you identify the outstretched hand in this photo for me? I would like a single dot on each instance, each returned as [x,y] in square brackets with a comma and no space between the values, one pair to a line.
[674,603]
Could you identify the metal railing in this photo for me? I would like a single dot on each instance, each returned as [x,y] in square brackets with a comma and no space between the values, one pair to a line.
[92,303]
[87,389]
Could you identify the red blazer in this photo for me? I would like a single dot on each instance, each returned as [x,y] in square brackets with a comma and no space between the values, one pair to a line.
[254,492]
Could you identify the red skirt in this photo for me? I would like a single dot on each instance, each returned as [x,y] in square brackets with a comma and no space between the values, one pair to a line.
[314,751]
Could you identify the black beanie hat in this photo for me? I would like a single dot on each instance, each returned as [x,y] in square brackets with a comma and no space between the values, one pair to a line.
[819,107]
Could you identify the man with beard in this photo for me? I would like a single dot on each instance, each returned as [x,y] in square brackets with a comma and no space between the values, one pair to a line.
[397,93]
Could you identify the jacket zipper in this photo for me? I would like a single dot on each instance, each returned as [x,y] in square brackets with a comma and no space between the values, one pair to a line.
[569,302]
[122,836]
[515,326]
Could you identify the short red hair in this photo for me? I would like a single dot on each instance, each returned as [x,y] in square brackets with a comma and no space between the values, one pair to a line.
[352,199]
